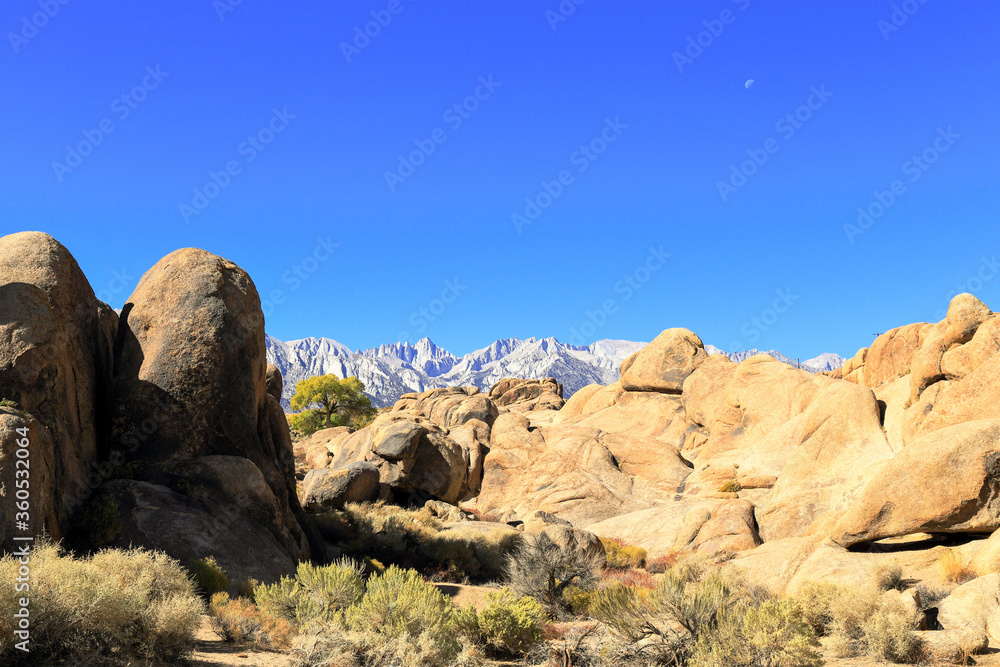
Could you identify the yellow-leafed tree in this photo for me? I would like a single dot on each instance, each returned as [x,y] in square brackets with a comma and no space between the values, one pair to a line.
[326,401]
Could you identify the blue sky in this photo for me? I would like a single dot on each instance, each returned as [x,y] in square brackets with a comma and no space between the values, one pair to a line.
[588,146]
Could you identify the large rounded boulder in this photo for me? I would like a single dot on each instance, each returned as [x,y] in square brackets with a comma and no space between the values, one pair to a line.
[192,406]
[56,343]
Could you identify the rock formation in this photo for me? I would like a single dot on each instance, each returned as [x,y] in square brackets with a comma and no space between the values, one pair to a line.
[56,343]
[160,428]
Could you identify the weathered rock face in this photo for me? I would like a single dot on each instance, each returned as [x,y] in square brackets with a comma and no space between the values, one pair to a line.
[564,535]
[947,481]
[973,607]
[890,355]
[572,472]
[664,363]
[191,405]
[789,447]
[330,489]
[56,343]
[428,446]
[20,427]
[524,395]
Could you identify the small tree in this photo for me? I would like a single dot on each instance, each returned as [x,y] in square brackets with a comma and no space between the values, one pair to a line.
[339,402]
[543,570]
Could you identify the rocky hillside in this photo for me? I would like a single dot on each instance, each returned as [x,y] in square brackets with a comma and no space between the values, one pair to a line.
[792,476]
[390,371]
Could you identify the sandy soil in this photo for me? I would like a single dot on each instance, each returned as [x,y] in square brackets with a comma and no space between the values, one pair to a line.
[211,651]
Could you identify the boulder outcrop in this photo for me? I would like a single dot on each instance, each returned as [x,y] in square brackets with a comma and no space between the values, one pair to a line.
[428,446]
[56,361]
[947,481]
[193,412]
[524,395]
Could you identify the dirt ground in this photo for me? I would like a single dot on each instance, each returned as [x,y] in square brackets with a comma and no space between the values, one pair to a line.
[213,652]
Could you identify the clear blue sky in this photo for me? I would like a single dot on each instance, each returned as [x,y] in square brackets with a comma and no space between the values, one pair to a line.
[551,90]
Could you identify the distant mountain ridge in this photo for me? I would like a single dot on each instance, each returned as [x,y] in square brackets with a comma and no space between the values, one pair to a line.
[393,369]
[827,361]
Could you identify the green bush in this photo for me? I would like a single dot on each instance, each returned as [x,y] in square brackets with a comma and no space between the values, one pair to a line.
[773,634]
[704,618]
[317,593]
[208,577]
[622,556]
[415,539]
[115,605]
[456,557]
[509,625]
[398,603]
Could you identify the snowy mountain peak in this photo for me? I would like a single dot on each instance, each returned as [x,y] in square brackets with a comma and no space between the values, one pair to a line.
[390,370]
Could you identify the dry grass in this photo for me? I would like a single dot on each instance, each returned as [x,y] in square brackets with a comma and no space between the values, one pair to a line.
[954,568]
[860,621]
[241,622]
[116,604]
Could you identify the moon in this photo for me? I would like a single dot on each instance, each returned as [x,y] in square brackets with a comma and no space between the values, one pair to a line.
[749,83]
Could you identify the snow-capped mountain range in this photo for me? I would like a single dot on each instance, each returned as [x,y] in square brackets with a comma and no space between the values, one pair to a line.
[391,370]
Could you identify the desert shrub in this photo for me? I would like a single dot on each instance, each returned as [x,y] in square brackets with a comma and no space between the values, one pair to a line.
[241,622]
[661,625]
[335,646]
[773,634]
[455,558]
[954,568]
[399,603]
[208,577]
[509,625]
[888,635]
[888,577]
[701,617]
[929,597]
[860,621]
[399,620]
[622,556]
[542,569]
[413,538]
[661,564]
[578,600]
[388,532]
[317,593]
[816,599]
[116,605]
[491,550]
[730,486]
[634,578]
